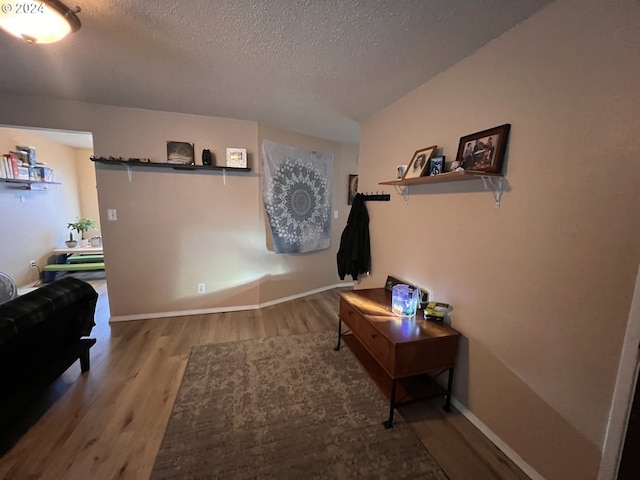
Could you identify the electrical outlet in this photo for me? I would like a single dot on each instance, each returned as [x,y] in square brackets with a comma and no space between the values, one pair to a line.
[33,264]
[201,288]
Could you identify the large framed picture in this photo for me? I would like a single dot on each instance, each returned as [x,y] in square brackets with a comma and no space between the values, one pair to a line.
[181,153]
[419,162]
[484,151]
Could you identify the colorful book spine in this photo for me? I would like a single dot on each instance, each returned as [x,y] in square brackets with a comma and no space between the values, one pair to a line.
[14,165]
[7,166]
[3,166]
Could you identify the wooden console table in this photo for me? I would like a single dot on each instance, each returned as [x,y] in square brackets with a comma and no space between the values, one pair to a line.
[399,354]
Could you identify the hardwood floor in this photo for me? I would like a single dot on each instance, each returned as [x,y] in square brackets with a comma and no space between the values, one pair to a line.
[109,423]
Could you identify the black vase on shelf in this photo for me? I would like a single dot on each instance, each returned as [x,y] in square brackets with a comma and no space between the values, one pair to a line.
[207,157]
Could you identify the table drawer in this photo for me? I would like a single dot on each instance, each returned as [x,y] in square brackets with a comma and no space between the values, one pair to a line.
[376,343]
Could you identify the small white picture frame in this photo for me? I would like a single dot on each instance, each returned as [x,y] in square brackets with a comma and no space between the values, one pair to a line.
[237,157]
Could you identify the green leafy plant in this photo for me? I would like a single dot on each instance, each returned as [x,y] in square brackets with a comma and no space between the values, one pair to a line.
[81,225]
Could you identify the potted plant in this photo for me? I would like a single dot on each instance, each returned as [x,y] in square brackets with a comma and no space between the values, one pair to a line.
[81,225]
[71,242]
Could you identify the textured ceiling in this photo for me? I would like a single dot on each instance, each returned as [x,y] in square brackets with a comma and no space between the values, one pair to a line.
[318,67]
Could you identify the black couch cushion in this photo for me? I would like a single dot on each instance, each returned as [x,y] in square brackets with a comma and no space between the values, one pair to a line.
[38,325]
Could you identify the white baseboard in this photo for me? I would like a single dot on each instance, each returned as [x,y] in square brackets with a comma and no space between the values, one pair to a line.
[236,308]
[183,313]
[497,441]
[303,294]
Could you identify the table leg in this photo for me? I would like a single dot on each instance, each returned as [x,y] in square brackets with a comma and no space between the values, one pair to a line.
[339,333]
[447,405]
[392,406]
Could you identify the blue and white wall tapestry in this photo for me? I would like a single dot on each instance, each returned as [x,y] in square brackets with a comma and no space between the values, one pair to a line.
[296,191]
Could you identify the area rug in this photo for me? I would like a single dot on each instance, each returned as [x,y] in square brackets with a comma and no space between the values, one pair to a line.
[285,407]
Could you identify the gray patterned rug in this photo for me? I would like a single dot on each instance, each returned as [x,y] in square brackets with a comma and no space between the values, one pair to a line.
[284,407]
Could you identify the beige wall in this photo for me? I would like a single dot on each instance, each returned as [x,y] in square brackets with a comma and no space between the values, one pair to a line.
[177,229]
[541,286]
[87,188]
[34,222]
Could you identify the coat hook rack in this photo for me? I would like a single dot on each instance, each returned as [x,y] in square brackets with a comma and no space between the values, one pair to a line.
[377,197]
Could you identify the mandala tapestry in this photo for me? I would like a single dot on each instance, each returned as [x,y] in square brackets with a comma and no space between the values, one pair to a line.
[296,191]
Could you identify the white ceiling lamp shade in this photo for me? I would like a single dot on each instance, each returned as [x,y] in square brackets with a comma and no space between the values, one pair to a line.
[45,21]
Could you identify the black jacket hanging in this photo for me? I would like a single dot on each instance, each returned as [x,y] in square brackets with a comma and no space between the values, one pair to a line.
[354,254]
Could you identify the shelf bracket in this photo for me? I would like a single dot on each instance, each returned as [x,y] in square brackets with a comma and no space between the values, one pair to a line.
[496,189]
[404,191]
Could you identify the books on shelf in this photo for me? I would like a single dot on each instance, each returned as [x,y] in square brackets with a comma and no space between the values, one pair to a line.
[27,155]
[13,168]
[10,166]
[47,174]
[23,173]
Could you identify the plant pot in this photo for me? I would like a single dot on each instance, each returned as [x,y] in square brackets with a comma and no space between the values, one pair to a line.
[84,242]
[71,243]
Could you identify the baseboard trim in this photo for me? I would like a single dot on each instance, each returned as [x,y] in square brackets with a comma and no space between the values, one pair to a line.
[303,294]
[497,441]
[236,308]
[183,313]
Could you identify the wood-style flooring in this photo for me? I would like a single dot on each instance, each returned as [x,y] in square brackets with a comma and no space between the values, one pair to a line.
[109,423]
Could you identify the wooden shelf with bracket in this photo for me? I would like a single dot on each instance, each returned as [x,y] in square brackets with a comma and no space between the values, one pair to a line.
[442,178]
[448,177]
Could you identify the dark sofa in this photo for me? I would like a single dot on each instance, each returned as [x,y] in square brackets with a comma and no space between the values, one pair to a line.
[41,336]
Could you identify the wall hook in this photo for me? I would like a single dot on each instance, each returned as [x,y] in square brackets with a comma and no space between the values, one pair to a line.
[377,197]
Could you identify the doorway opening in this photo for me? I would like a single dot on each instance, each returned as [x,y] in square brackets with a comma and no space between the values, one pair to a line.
[55,186]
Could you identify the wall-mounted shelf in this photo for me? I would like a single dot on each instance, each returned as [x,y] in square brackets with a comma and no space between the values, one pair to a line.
[175,166]
[451,177]
[442,178]
[29,184]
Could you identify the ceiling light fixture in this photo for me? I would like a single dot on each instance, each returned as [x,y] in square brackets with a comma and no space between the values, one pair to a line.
[45,21]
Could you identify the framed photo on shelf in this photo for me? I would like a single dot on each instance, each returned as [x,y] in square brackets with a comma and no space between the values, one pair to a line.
[180,152]
[419,162]
[353,188]
[237,157]
[436,165]
[484,151]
